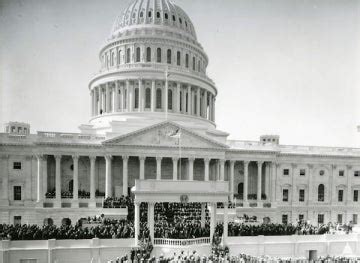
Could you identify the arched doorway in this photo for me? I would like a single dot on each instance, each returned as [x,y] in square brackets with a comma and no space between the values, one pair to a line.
[66,222]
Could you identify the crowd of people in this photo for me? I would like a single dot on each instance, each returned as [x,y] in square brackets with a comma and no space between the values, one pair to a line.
[180,221]
[271,229]
[118,202]
[68,194]
[109,228]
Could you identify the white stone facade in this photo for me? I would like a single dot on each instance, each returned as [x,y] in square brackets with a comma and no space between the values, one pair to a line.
[153,118]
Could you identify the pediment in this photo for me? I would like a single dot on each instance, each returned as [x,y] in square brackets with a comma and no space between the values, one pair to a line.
[165,134]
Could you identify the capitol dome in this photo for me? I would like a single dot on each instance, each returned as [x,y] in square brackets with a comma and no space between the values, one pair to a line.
[154,12]
[152,69]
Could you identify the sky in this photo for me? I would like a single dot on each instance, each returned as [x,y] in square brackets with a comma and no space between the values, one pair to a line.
[285,67]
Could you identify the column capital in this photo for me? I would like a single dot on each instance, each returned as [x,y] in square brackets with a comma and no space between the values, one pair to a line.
[57,156]
[142,158]
[38,156]
[207,160]
[125,157]
[246,162]
[274,164]
[349,167]
[260,163]
[222,161]
[75,157]
[92,158]
[232,162]
[175,159]
[191,159]
[158,158]
[108,157]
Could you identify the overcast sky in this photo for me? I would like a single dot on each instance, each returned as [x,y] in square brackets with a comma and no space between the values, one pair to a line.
[281,67]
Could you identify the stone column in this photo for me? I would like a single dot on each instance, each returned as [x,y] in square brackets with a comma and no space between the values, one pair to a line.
[131,97]
[246,182]
[92,181]
[183,101]
[116,97]
[259,180]
[127,87]
[101,108]
[273,182]
[206,168]
[212,220]
[175,168]
[122,98]
[142,167]
[141,96]
[349,176]
[58,178]
[151,220]
[222,170]
[153,95]
[231,184]
[108,98]
[44,176]
[226,222]
[75,181]
[108,183]
[203,214]
[210,107]
[198,113]
[137,222]
[310,185]
[191,168]
[158,168]
[189,100]
[178,89]
[205,104]
[39,186]
[213,110]
[125,175]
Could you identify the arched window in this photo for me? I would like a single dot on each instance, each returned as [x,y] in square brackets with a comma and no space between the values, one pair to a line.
[166,16]
[148,98]
[194,63]
[169,56]
[119,57]
[199,65]
[112,58]
[195,104]
[128,55]
[158,55]
[149,14]
[141,14]
[136,98]
[185,23]
[180,20]
[138,54]
[148,54]
[119,100]
[321,193]
[174,18]
[158,98]
[178,58]
[187,60]
[170,102]
[157,14]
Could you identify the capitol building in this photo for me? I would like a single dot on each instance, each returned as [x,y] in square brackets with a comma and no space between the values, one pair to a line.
[152,134]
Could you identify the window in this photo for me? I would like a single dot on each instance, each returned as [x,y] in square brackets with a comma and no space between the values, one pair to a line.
[17,220]
[149,14]
[341,173]
[185,24]
[166,16]
[170,99]
[136,98]
[322,172]
[356,195]
[128,55]
[320,218]
[119,57]
[340,195]
[138,54]
[158,55]
[181,100]
[340,218]
[301,217]
[180,20]
[148,54]
[157,14]
[285,195]
[199,65]
[356,173]
[174,18]
[112,59]
[169,56]
[302,172]
[187,60]
[141,14]
[286,172]
[321,191]
[17,193]
[148,98]
[17,165]
[194,62]
[284,219]
[178,58]
[158,98]
[355,219]
[301,195]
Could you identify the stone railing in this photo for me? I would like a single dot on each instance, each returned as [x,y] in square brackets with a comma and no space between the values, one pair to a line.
[156,66]
[58,136]
[181,242]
